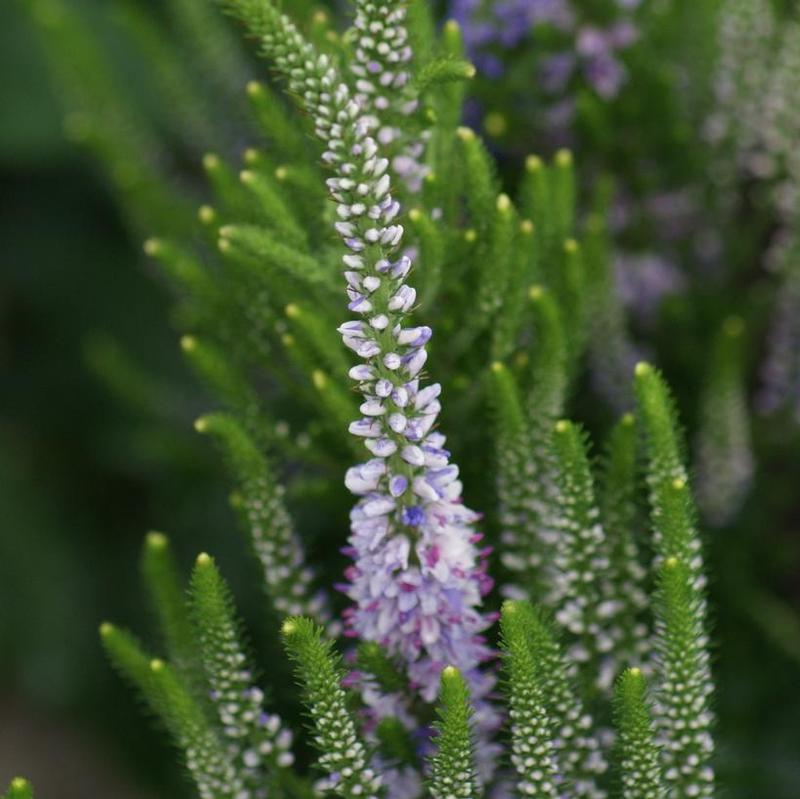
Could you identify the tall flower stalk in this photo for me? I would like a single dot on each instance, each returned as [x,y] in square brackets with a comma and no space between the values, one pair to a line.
[418,575]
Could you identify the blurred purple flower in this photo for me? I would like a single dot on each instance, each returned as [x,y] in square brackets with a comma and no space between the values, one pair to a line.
[490,28]
[605,74]
[644,280]
[555,72]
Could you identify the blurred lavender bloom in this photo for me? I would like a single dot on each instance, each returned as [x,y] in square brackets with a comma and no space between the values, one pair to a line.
[591,42]
[605,74]
[555,72]
[507,24]
[675,213]
[623,34]
[644,281]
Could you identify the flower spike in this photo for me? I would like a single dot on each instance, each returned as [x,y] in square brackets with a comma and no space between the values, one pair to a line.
[418,576]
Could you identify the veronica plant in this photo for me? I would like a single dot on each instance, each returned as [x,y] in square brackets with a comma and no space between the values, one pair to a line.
[422,699]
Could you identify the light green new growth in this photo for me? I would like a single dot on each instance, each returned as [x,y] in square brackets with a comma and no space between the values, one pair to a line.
[549,382]
[625,577]
[672,508]
[583,600]
[263,252]
[496,265]
[447,104]
[268,197]
[276,545]
[259,745]
[19,788]
[443,70]
[639,758]
[319,672]
[533,755]
[228,382]
[312,332]
[165,591]
[563,192]
[516,477]
[528,497]
[482,187]
[569,286]
[452,768]
[577,750]
[535,203]
[684,694]
[370,658]
[432,244]
[170,700]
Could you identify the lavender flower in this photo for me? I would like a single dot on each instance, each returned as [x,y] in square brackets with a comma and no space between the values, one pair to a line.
[418,575]
[506,24]
[644,281]
[489,27]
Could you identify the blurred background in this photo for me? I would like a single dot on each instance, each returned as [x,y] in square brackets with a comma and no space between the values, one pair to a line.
[97,447]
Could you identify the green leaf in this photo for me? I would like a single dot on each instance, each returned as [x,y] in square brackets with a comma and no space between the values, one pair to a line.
[421,32]
[563,193]
[452,768]
[581,561]
[319,673]
[432,244]
[577,752]
[287,580]
[371,659]
[625,577]
[283,131]
[172,702]
[481,182]
[548,382]
[274,212]
[637,753]
[532,750]
[682,640]
[523,273]
[672,508]
[494,268]
[396,743]
[19,788]
[166,592]
[443,70]
[254,246]
[685,691]
[258,743]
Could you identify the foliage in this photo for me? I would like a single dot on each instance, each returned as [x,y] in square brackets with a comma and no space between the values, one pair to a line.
[519,262]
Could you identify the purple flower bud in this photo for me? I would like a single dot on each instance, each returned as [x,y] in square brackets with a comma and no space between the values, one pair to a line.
[413,516]
[398,485]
